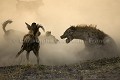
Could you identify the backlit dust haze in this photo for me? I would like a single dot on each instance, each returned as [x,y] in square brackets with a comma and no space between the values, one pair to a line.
[56,16]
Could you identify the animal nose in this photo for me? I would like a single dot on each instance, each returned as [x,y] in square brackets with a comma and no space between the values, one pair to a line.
[61,37]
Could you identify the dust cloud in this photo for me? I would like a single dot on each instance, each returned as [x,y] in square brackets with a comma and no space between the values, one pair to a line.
[55,16]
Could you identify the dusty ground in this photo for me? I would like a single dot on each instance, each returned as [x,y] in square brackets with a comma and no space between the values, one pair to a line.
[104,69]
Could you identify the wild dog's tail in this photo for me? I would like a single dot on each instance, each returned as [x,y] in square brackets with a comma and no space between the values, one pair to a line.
[5,24]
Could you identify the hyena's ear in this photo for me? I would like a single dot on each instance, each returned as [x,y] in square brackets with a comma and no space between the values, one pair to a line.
[73,28]
[28,26]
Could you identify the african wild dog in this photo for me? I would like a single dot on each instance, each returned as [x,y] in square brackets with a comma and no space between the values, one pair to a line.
[31,41]
[11,35]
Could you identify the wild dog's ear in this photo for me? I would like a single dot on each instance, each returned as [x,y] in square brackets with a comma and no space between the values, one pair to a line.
[40,26]
[28,26]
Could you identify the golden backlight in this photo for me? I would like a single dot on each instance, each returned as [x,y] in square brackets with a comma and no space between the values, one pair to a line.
[56,16]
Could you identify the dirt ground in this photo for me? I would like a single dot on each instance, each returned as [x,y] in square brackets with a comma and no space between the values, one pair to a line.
[103,69]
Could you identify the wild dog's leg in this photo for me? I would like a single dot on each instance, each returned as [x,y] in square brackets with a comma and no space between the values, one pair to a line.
[36,52]
[27,56]
[20,52]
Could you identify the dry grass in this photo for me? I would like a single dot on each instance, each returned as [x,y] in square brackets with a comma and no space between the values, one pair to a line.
[103,69]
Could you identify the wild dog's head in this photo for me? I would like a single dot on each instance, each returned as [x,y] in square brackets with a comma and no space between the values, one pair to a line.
[34,28]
